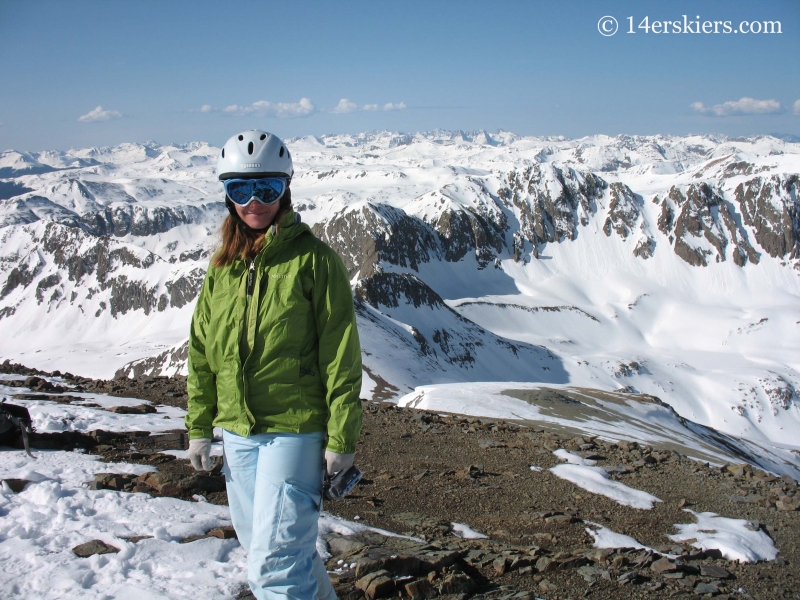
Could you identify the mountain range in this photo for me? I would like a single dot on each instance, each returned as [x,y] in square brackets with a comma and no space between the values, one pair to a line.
[659,265]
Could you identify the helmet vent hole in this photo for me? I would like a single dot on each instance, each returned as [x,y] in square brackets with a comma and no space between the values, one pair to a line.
[281,152]
[263,137]
[241,138]
[250,148]
[223,153]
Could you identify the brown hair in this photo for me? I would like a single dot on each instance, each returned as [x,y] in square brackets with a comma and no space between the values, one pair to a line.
[241,242]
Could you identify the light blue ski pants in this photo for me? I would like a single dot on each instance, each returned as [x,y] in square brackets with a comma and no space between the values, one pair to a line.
[274,484]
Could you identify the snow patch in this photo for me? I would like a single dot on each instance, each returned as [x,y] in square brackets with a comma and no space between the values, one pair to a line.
[734,538]
[466,532]
[597,481]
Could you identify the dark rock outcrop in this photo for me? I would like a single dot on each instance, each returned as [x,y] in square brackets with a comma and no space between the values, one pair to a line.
[705,219]
[72,258]
[371,233]
[552,202]
[771,206]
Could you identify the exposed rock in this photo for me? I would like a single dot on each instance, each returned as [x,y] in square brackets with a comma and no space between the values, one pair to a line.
[629,577]
[166,363]
[547,586]
[592,574]
[714,572]
[222,533]
[175,484]
[39,384]
[15,485]
[707,588]
[771,205]
[370,233]
[421,589]
[479,227]
[131,218]
[102,266]
[664,565]
[552,202]
[457,583]
[703,213]
[139,409]
[94,547]
[376,585]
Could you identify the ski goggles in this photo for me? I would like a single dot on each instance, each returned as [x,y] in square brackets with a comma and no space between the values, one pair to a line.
[266,190]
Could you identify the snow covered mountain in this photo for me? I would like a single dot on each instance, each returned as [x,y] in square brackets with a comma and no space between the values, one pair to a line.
[659,264]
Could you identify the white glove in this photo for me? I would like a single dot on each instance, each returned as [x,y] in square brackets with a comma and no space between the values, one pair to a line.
[200,454]
[336,462]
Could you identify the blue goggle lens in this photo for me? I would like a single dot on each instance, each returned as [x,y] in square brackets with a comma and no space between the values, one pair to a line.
[265,190]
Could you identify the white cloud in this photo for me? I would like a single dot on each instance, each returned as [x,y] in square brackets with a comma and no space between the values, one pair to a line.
[282,110]
[796,108]
[98,114]
[744,106]
[207,108]
[345,106]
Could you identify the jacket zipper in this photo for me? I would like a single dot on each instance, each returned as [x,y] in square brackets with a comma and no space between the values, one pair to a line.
[251,279]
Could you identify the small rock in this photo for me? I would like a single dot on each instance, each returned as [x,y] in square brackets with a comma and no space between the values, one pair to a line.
[499,565]
[376,585]
[140,409]
[663,565]
[339,544]
[616,469]
[457,583]
[546,586]
[546,564]
[16,485]
[739,470]
[619,561]
[486,444]
[574,563]
[714,572]
[137,538]
[223,533]
[420,590]
[94,547]
[563,519]
[519,563]
[591,574]
[675,575]
[629,577]
[707,588]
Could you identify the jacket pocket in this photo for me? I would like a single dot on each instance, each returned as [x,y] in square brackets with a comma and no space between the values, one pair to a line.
[297,518]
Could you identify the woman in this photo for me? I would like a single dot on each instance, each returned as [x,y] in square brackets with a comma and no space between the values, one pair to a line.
[275,361]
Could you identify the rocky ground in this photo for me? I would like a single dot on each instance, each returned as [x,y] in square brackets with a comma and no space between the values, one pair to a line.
[423,472]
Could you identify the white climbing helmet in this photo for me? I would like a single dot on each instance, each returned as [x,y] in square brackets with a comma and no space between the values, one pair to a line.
[254,153]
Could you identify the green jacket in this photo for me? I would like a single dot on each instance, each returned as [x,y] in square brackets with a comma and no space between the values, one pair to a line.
[284,359]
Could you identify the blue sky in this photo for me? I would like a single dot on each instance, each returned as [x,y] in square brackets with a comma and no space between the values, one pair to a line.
[534,68]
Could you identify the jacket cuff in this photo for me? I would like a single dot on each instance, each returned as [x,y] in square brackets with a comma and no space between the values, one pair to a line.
[195,434]
[339,447]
